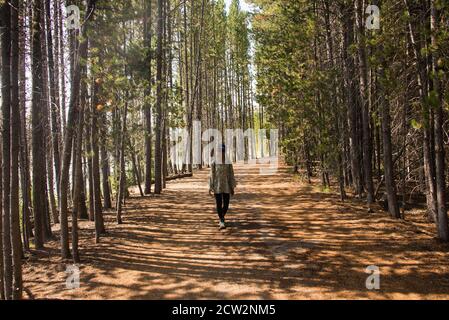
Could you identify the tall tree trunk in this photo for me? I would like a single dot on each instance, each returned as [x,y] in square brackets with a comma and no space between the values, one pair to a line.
[60,22]
[24,155]
[50,201]
[367,142]
[54,97]
[50,181]
[443,228]
[159,99]
[98,212]
[148,133]
[15,136]
[351,103]
[107,202]
[37,110]
[390,183]
[330,53]
[187,85]
[134,161]
[122,179]
[77,167]
[57,77]
[6,154]
[90,174]
[105,167]
[80,208]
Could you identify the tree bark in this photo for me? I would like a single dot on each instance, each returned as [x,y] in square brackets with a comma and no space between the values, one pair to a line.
[90,174]
[62,62]
[122,179]
[54,97]
[390,183]
[98,213]
[6,154]
[107,203]
[443,229]
[77,166]
[148,133]
[15,136]
[366,119]
[159,99]
[351,103]
[134,161]
[38,152]
[24,154]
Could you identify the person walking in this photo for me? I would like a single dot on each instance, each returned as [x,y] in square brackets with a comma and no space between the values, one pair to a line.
[222,185]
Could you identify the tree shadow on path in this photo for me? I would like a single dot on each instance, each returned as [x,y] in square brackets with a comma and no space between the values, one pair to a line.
[284,241]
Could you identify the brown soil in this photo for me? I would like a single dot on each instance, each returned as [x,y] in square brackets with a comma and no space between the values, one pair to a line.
[286,240]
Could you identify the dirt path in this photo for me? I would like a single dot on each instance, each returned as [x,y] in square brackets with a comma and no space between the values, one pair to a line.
[284,241]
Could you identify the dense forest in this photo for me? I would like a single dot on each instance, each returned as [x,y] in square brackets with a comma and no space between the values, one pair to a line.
[361,103]
[91,92]
[87,109]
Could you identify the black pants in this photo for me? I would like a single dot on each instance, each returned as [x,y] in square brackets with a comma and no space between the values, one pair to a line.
[222,200]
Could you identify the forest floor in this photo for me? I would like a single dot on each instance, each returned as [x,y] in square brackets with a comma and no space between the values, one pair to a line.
[285,240]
